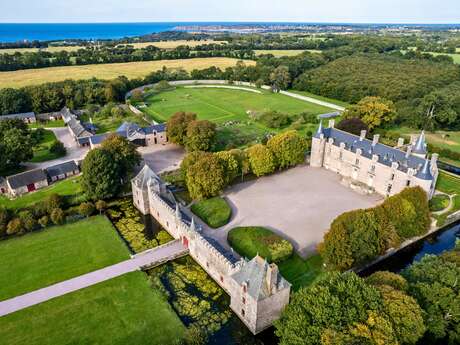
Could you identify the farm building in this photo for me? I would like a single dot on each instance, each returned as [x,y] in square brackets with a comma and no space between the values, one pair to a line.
[62,171]
[26,182]
[26,117]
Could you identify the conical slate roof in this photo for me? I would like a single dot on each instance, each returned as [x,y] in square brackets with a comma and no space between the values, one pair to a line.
[145,175]
[319,131]
[420,145]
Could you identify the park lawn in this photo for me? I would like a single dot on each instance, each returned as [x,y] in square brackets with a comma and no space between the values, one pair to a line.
[122,311]
[42,150]
[47,124]
[439,202]
[223,105]
[16,79]
[215,211]
[111,124]
[58,253]
[448,183]
[300,272]
[69,188]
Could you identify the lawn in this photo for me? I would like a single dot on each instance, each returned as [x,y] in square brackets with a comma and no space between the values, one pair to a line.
[321,98]
[300,272]
[439,202]
[69,188]
[40,259]
[42,151]
[255,240]
[223,105]
[215,211]
[110,124]
[131,70]
[47,124]
[122,311]
[448,183]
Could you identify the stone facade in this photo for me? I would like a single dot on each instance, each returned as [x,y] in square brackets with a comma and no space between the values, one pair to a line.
[369,166]
[257,291]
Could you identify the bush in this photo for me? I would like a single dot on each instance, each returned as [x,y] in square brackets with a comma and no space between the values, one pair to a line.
[44,221]
[274,119]
[86,209]
[101,206]
[57,216]
[288,149]
[394,280]
[353,125]
[215,212]
[58,148]
[52,201]
[15,226]
[261,160]
[28,220]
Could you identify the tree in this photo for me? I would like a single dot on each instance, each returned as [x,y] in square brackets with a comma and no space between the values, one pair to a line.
[373,111]
[13,101]
[101,175]
[288,149]
[280,78]
[58,148]
[201,135]
[136,96]
[15,144]
[14,226]
[352,125]
[334,304]
[244,167]
[206,178]
[57,216]
[391,279]
[261,160]
[162,85]
[230,164]
[101,206]
[433,282]
[51,202]
[190,159]
[86,209]
[176,127]
[123,152]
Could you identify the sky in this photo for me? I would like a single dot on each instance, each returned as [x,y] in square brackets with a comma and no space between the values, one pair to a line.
[350,11]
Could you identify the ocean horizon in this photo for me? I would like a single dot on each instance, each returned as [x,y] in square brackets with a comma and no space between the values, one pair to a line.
[17,32]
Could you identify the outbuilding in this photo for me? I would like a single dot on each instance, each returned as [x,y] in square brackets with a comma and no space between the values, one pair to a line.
[62,171]
[26,182]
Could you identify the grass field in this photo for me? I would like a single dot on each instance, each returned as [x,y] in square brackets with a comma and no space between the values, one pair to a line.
[110,124]
[121,311]
[47,124]
[300,272]
[455,57]
[58,253]
[107,71]
[215,211]
[69,188]
[222,105]
[444,139]
[280,53]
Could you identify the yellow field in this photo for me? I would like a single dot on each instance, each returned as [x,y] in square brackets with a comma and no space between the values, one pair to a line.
[107,71]
[279,53]
[162,45]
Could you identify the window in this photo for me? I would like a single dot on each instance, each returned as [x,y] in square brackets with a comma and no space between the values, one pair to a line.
[242,312]
[389,189]
[357,161]
[407,183]
[372,168]
[392,177]
[245,288]
[341,155]
[243,300]
[221,279]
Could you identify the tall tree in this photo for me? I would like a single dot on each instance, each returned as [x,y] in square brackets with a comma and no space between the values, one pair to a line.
[288,148]
[123,152]
[373,111]
[280,78]
[177,127]
[201,135]
[261,160]
[206,178]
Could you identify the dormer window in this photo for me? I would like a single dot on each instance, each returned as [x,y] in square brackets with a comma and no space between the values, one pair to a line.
[357,161]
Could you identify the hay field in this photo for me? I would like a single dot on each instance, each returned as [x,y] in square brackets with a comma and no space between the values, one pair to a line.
[280,53]
[27,77]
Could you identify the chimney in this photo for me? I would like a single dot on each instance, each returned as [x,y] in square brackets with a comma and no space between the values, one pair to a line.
[363,135]
[272,278]
[409,151]
[375,140]
[331,123]
[400,142]
[434,159]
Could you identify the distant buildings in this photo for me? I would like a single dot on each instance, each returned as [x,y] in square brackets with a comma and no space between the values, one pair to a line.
[26,117]
[369,166]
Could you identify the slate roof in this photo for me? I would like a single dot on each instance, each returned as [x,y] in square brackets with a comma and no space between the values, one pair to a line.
[155,128]
[62,168]
[254,274]
[128,127]
[98,139]
[67,115]
[26,178]
[145,175]
[20,116]
[77,129]
[420,144]
[329,115]
[386,154]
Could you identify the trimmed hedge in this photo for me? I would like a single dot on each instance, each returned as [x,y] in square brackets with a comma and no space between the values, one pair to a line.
[215,211]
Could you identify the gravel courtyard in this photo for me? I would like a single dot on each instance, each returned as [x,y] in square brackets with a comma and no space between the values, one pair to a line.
[162,157]
[298,204]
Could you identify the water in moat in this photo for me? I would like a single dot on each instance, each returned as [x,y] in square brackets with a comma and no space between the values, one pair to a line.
[192,293]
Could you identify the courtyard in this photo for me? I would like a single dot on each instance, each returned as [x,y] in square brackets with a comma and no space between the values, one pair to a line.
[162,157]
[298,204]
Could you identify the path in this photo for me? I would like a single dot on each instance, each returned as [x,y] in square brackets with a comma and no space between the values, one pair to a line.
[150,257]
[313,100]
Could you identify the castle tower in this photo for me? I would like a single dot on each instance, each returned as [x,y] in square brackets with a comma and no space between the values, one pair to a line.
[318,144]
[419,148]
[140,186]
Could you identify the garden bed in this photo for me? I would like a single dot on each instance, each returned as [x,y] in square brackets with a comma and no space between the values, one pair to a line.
[215,211]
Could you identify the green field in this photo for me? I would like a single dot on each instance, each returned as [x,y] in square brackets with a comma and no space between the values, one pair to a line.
[215,211]
[121,311]
[111,124]
[69,188]
[280,53]
[222,105]
[43,258]
[321,98]
[47,124]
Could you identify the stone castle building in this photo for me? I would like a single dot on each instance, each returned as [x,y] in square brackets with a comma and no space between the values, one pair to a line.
[369,166]
[258,293]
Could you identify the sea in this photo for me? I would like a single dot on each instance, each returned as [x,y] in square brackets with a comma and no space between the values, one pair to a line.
[93,31]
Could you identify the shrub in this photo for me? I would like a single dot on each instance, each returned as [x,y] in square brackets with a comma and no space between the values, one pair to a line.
[288,149]
[274,119]
[4,219]
[44,221]
[353,125]
[14,226]
[52,201]
[58,148]
[101,206]
[86,209]
[28,220]
[215,211]
[57,216]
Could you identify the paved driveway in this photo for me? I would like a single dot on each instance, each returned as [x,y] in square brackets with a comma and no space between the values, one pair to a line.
[298,204]
[162,157]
